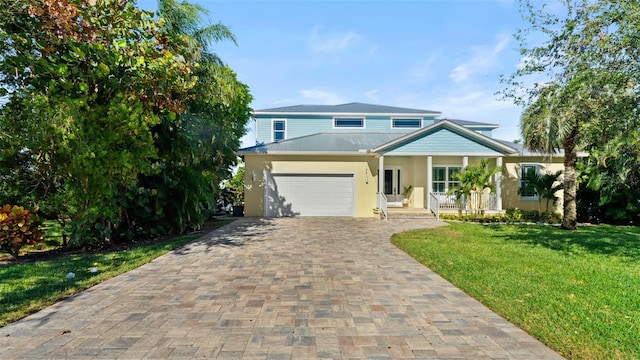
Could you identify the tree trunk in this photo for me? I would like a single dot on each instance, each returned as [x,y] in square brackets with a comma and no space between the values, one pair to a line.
[569,219]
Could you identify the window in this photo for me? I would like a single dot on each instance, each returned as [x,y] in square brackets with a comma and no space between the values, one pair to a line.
[406,123]
[439,179]
[526,190]
[443,179]
[348,123]
[279,129]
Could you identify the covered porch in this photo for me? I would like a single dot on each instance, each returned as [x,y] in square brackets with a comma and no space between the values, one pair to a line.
[423,182]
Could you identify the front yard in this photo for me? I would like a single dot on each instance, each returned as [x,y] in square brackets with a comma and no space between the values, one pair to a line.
[578,292]
[33,284]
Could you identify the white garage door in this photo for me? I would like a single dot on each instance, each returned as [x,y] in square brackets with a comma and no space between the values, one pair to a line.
[310,195]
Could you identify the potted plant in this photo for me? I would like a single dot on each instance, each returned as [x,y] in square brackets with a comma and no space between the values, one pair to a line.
[406,191]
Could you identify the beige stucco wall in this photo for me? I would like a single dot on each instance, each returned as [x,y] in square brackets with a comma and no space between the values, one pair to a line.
[364,168]
[511,183]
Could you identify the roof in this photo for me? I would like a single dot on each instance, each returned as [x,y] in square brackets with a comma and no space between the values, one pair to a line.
[325,143]
[350,108]
[362,143]
[467,123]
[524,151]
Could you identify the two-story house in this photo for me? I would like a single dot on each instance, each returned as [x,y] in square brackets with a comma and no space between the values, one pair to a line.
[358,159]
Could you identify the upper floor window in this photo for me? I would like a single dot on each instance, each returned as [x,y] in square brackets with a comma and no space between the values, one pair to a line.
[526,189]
[399,123]
[443,178]
[348,123]
[279,129]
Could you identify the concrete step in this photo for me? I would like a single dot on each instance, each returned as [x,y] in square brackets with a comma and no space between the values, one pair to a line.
[409,213]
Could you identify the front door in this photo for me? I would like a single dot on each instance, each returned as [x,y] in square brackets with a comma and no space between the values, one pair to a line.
[393,185]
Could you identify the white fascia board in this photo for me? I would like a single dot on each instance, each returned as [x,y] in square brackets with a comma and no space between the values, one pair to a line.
[338,114]
[559,154]
[490,155]
[482,126]
[309,153]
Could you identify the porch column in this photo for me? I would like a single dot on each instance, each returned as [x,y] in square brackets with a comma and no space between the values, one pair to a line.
[499,184]
[381,174]
[465,161]
[429,180]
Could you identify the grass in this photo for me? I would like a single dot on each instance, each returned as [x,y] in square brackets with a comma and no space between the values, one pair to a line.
[31,286]
[578,292]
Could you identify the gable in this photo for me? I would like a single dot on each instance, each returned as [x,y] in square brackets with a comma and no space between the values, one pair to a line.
[442,141]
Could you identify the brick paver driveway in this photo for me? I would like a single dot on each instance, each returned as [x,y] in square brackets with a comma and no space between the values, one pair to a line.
[299,288]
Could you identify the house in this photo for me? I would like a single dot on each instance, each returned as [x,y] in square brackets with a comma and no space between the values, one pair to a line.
[357,159]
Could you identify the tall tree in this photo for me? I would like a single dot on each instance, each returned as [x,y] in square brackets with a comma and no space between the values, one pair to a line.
[99,96]
[196,151]
[588,59]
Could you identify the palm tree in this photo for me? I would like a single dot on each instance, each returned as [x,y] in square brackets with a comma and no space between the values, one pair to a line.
[549,186]
[474,179]
[544,186]
[550,124]
[183,21]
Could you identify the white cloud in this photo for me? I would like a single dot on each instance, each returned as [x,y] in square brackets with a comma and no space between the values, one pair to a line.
[372,95]
[332,43]
[320,96]
[425,69]
[483,106]
[482,58]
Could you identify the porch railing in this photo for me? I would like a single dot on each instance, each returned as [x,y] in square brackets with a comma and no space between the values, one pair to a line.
[434,205]
[382,205]
[481,201]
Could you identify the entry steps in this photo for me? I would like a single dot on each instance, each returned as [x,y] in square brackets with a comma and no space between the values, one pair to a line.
[409,213]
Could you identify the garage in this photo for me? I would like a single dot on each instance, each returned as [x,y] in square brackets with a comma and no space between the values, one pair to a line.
[310,195]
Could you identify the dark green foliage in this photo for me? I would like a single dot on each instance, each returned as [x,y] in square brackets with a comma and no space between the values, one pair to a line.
[105,100]
[610,189]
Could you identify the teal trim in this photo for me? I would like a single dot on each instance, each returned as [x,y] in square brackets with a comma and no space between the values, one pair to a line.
[441,141]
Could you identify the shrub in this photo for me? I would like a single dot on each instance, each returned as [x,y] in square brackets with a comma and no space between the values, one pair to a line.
[510,216]
[18,227]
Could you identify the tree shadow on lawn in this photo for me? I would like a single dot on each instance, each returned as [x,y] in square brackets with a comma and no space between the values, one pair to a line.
[622,241]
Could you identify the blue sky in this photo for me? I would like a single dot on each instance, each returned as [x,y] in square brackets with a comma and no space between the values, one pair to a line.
[431,54]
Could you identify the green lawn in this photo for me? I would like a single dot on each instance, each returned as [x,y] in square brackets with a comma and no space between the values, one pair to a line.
[28,287]
[578,292]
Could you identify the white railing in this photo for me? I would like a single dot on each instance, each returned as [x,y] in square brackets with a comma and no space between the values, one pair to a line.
[486,201]
[479,201]
[446,202]
[434,205]
[382,205]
